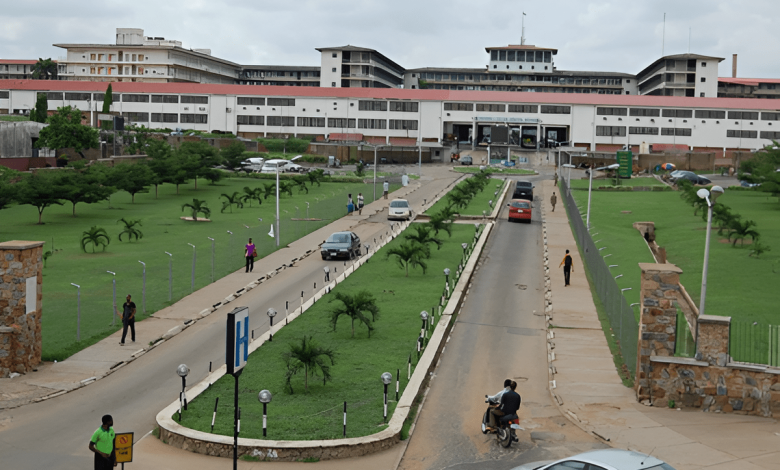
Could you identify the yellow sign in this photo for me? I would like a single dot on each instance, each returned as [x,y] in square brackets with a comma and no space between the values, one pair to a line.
[123,447]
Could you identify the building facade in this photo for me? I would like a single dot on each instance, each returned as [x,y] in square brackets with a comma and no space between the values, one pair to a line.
[358,67]
[761,88]
[279,75]
[681,75]
[13,69]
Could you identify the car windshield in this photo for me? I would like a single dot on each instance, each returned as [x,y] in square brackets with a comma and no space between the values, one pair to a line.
[399,204]
[338,238]
[524,184]
[521,205]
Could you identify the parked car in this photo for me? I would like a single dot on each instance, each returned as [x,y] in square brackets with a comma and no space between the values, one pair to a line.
[524,190]
[252,165]
[341,245]
[399,210]
[520,210]
[466,160]
[677,174]
[694,178]
[271,166]
[604,459]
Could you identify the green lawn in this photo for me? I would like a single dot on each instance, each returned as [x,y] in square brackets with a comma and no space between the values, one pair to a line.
[500,171]
[601,182]
[14,118]
[162,231]
[359,363]
[478,203]
[738,285]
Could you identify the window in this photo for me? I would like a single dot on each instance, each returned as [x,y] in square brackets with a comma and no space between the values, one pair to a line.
[92,57]
[53,95]
[335,54]
[372,124]
[372,105]
[770,135]
[459,106]
[135,98]
[707,114]
[194,99]
[497,108]
[101,57]
[4,95]
[250,120]
[673,131]
[288,121]
[742,134]
[743,115]
[701,94]
[404,106]
[400,124]
[703,79]
[333,69]
[560,110]
[194,118]
[136,117]
[494,55]
[616,131]
[165,98]
[281,101]
[547,57]
[245,100]
[311,122]
[679,113]
[611,111]
[523,108]
[644,112]
[704,64]
[140,57]
[770,116]
[101,96]
[510,56]
[333,84]
[165,117]
[92,70]
[502,56]
[341,123]
[75,96]
[643,130]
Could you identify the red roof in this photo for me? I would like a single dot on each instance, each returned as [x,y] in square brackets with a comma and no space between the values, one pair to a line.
[747,81]
[20,62]
[396,94]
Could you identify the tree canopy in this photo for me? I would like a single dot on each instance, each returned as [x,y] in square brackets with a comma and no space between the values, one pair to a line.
[65,130]
[41,190]
[762,169]
[41,110]
[45,69]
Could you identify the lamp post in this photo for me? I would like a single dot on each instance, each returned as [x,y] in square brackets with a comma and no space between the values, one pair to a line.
[212,258]
[465,246]
[78,311]
[271,314]
[710,197]
[231,241]
[143,290]
[447,278]
[278,235]
[424,318]
[192,281]
[568,179]
[387,377]
[265,398]
[170,276]
[113,280]
[614,166]
[182,372]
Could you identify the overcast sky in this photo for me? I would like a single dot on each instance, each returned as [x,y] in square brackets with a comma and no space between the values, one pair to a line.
[616,36]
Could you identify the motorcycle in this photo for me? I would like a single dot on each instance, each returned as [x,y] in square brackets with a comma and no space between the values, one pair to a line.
[506,430]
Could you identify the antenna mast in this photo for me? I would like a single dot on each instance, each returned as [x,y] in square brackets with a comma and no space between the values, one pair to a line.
[663,37]
[522,31]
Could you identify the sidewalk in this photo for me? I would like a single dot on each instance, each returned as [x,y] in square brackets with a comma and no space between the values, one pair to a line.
[593,397]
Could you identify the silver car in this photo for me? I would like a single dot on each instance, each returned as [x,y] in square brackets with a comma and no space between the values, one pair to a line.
[399,210]
[605,459]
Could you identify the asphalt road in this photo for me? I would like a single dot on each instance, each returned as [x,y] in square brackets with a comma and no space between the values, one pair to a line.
[55,433]
[496,336]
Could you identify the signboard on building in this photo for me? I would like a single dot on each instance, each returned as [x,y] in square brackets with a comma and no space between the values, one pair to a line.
[237,340]
[506,119]
[625,159]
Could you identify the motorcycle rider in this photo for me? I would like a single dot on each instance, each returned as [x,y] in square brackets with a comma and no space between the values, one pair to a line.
[509,404]
[497,397]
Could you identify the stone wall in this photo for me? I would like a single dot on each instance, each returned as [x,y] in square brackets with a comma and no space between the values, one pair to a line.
[20,315]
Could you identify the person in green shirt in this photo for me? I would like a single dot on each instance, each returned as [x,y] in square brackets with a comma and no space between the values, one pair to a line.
[102,444]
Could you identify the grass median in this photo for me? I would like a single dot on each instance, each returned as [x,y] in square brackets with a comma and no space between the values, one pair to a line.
[609,183]
[478,203]
[163,230]
[359,362]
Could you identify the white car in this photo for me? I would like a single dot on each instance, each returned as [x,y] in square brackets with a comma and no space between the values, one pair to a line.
[271,166]
[605,459]
[252,165]
[399,210]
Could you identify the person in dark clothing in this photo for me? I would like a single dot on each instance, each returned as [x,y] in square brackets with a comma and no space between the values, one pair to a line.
[510,403]
[128,320]
[568,267]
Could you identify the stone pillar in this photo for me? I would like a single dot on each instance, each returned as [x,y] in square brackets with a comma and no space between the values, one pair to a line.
[21,279]
[712,344]
[658,321]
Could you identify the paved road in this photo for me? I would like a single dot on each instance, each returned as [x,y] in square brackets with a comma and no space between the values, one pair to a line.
[496,336]
[55,433]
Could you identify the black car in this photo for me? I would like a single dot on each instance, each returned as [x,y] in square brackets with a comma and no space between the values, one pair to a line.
[694,178]
[524,190]
[341,245]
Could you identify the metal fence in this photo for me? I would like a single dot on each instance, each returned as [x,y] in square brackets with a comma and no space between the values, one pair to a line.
[755,343]
[621,316]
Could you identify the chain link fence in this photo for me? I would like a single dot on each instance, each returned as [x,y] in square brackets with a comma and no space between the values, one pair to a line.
[622,320]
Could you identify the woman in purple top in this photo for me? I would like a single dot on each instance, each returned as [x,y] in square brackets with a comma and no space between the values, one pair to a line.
[250,256]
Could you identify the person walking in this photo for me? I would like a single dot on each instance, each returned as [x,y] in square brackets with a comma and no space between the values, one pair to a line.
[350,204]
[553,200]
[128,320]
[385,189]
[360,203]
[568,267]
[102,444]
[555,179]
[250,254]
[327,274]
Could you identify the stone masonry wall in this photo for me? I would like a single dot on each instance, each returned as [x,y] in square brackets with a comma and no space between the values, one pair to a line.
[20,331]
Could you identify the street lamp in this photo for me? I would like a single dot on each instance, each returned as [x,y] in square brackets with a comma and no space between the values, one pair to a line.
[568,179]
[710,197]
[143,291]
[192,282]
[212,258]
[170,275]
[387,377]
[447,276]
[78,311]
[271,314]
[182,372]
[265,398]
[465,246]
[424,318]
[113,280]
[614,166]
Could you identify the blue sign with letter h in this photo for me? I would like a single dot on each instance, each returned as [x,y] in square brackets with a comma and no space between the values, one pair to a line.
[242,340]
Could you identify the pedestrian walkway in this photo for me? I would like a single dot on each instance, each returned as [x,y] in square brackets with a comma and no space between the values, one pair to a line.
[591,394]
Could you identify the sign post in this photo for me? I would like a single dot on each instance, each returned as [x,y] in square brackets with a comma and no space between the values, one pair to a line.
[625,160]
[123,447]
[236,354]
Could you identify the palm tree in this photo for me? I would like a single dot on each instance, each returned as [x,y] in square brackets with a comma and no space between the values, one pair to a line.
[230,200]
[269,190]
[45,69]
[251,194]
[315,176]
[286,187]
[96,236]
[423,234]
[409,254]
[310,357]
[300,181]
[442,220]
[741,229]
[130,229]
[459,198]
[721,214]
[197,207]
[356,307]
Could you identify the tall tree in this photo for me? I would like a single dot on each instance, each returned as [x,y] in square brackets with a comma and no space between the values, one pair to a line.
[442,221]
[359,307]
[199,160]
[762,169]
[8,189]
[45,69]
[309,356]
[423,234]
[162,163]
[41,190]
[88,185]
[233,155]
[133,178]
[108,100]
[41,110]
[65,130]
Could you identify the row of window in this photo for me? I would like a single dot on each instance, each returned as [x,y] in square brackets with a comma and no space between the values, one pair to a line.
[521,56]
[513,108]
[116,57]
[620,131]
[167,118]
[454,77]
[291,121]
[687,113]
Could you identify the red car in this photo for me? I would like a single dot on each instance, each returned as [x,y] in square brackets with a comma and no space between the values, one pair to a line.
[520,209]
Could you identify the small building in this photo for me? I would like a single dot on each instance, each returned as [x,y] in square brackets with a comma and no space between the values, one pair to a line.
[762,88]
[16,69]
[681,75]
[358,67]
